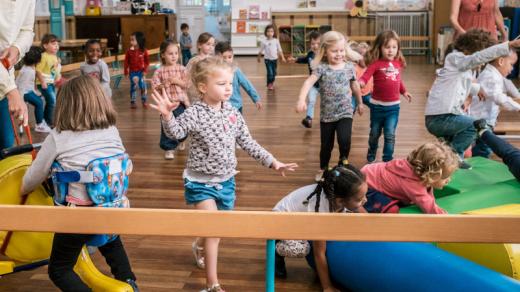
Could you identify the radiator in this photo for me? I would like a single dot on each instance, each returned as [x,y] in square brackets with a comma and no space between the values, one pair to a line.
[406,24]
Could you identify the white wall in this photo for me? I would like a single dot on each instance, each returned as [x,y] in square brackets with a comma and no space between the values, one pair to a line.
[283,5]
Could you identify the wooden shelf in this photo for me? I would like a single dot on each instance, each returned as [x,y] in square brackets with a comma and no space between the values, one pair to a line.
[247,19]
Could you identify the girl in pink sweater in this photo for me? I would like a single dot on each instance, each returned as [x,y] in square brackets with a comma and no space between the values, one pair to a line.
[386,62]
[412,180]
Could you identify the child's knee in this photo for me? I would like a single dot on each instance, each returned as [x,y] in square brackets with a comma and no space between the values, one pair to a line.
[135,79]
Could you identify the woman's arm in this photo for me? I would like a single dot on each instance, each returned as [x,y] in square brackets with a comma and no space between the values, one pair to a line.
[499,20]
[322,267]
[454,16]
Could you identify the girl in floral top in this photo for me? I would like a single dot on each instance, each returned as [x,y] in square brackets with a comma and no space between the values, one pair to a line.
[337,80]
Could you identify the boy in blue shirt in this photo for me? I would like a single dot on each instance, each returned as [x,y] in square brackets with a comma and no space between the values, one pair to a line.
[224,50]
[315,90]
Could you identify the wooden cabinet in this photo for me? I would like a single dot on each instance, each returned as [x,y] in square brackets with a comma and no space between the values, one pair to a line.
[96,27]
[339,21]
[155,28]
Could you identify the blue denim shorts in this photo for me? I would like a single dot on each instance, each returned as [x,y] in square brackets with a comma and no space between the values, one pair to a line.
[222,193]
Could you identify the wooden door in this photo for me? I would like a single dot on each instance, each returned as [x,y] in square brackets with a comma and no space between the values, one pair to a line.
[154,31]
[129,25]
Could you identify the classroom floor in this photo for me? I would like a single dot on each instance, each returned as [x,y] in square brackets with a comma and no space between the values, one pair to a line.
[166,263]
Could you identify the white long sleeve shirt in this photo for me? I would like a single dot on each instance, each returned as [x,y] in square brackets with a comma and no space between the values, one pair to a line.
[493,84]
[454,81]
[511,88]
[16,29]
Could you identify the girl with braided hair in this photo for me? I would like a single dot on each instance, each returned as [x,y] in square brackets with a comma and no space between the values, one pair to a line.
[412,180]
[341,189]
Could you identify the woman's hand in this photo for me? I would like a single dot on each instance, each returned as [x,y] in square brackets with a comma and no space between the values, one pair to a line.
[164,103]
[282,167]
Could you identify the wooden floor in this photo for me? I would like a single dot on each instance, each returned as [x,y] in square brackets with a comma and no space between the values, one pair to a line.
[166,263]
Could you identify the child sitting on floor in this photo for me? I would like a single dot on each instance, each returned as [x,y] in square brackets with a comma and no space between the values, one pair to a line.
[341,190]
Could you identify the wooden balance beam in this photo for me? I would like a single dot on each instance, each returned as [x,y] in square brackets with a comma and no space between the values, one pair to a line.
[264,225]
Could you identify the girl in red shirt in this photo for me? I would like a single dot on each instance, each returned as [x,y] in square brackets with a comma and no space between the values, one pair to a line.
[386,63]
[136,64]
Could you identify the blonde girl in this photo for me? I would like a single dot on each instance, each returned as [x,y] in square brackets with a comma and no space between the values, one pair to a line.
[215,127]
[84,131]
[337,79]
[386,63]
[205,48]
[412,180]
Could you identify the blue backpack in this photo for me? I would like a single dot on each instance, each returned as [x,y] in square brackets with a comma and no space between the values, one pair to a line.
[106,182]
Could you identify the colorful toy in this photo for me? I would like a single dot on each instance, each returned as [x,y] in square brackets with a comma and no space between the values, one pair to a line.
[93,8]
[30,249]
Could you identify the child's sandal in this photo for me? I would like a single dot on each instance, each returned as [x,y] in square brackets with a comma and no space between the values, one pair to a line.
[197,254]
[214,288]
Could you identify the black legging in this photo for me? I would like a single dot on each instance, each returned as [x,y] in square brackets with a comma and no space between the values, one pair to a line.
[65,251]
[343,128]
[509,154]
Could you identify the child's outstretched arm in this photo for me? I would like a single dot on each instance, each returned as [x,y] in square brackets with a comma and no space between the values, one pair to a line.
[249,88]
[301,106]
[356,92]
[175,128]
[426,202]
[322,267]
[495,94]
[255,150]
[511,88]
[468,62]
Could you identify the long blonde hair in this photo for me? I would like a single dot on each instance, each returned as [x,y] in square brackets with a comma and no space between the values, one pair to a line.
[82,105]
[381,40]
[329,39]
[433,161]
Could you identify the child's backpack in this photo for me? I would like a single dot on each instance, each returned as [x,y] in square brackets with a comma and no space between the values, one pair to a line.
[378,202]
[106,182]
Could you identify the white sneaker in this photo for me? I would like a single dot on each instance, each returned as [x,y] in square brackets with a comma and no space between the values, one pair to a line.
[181,146]
[169,154]
[42,127]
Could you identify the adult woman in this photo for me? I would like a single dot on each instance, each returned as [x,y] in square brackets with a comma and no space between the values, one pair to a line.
[484,14]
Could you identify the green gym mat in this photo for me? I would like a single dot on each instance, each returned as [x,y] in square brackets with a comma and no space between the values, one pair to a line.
[480,197]
[484,172]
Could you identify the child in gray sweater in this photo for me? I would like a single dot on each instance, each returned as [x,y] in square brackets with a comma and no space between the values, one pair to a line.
[214,127]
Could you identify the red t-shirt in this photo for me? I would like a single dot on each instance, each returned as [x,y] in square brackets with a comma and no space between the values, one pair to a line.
[136,60]
[387,80]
